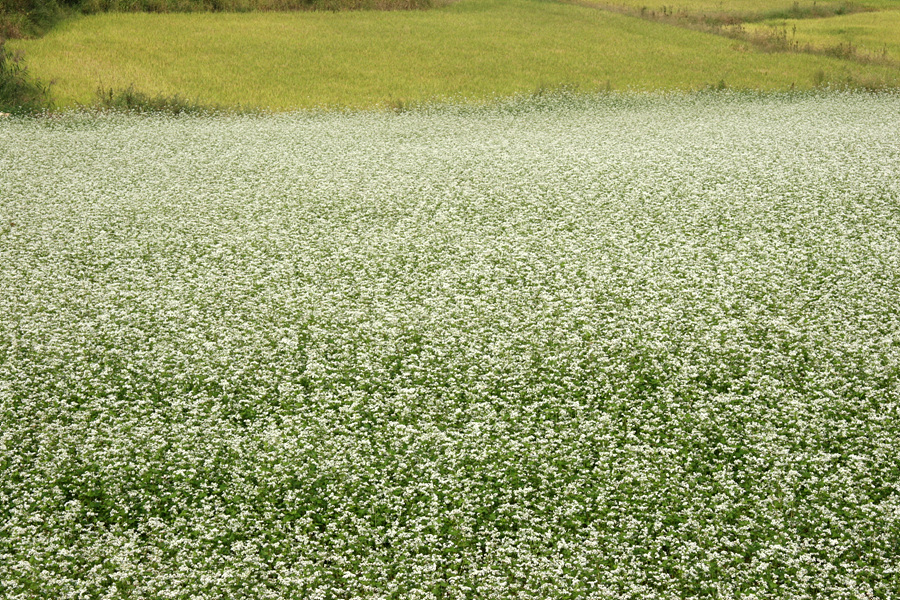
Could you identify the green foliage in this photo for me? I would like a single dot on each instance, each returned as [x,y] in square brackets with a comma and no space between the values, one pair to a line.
[621,346]
[131,100]
[30,18]
[18,91]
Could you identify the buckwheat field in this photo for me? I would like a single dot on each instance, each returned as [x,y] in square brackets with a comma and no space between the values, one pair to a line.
[568,347]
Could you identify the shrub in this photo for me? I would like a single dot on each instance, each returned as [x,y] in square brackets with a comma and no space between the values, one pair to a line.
[18,91]
[132,100]
[29,18]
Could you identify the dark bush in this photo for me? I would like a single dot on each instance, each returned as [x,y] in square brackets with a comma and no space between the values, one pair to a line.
[18,92]
[30,18]
[132,100]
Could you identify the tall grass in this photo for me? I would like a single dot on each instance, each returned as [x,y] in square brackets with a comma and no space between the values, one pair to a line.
[131,100]
[872,37]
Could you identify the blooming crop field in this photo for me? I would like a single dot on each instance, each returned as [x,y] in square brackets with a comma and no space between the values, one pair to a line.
[568,347]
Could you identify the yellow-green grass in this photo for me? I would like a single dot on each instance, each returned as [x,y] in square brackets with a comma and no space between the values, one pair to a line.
[869,34]
[474,49]
[743,10]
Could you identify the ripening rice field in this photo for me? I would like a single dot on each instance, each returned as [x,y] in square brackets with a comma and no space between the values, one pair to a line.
[469,50]
[638,346]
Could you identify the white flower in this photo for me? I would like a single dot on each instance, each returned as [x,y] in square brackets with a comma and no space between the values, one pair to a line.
[632,346]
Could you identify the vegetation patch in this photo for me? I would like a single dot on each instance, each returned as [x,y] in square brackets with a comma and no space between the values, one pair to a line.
[474,51]
[870,36]
[131,100]
[717,13]
[33,18]
[865,37]
[628,346]
[18,91]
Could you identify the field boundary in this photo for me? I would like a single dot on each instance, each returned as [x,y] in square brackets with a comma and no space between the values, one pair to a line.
[731,26]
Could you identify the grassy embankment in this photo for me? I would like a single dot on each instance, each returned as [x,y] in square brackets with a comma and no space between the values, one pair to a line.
[741,11]
[868,36]
[865,31]
[473,49]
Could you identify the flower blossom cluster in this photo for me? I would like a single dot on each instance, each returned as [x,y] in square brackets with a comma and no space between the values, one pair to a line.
[609,347]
